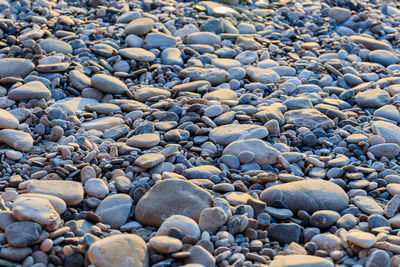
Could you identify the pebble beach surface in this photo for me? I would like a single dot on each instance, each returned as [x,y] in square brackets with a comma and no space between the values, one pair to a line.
[199,133]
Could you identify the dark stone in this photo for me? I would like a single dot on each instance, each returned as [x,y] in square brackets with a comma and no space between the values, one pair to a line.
[74,260]
[285,233]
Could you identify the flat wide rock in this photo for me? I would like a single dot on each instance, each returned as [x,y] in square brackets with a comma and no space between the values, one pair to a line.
[310,195]
[226,134]
[300,261]
[69,191]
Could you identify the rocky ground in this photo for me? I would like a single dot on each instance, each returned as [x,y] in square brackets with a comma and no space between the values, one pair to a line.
[170,133]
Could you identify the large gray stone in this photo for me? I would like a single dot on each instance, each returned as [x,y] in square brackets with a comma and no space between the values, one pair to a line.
[171,197]
[310,195]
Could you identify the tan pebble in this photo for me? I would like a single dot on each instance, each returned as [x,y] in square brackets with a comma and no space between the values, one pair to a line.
[67,250]
[46,245]
[95,229]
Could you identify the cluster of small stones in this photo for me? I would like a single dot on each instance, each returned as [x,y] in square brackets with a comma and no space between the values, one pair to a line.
[170,133]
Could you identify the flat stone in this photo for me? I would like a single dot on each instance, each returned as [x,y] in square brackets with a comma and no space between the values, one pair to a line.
[309,118]
[388,112]
[393,189]
[79,80]
[263,153]
[207,38]
[96,188]
[114,210]
[50,45]
[300,261]
[165,244]
[383,57]
[6,218]
[55,67]
[262,75]
[389,131]
[103,123]
[361,239]
[103,108]
[30,90]
[171,197]
[22,234]
[389,150]
[285,233]
[378,258]
[238,198]
[15,254]
[328,242]
[58,204]
[199,255]
[339,14]
[221,94]
[144,140]
[108,84]
[323,219]
[15,67]
[138,54]
[280,214]
[18,140]
[158,39]
[226,134]
[373,98]
[7,120]
[370,43]
[215,76]
[140,26]
[172,56]
[392,206]
[368,205]
[201,172]
[310,195]
[143,94]
[37,210]
[69,191]
[131,251]
[149,160]
[212,218]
